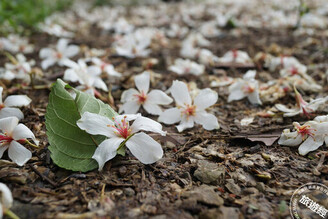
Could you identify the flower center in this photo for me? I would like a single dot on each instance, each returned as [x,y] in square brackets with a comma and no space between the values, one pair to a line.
[305,130]
[248,89]
[142,97]
[294,71]
[2,106]
[187,69]
[190,110]
[122,128]
[234,54]
[4,139]
[59,55]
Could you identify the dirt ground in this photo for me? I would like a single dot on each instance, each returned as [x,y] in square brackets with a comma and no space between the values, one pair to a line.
[233,172]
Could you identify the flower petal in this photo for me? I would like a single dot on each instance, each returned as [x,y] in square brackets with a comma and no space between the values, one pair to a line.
[290,138]
[8,124]
[152,108]
[254,98]
[46,53]
[310,144]
[185,123]
[106,151]
[207,120]
[11,112]
[236,92]
[96,124]
[18,153]
[170,116]
[180,93]
[70,75]
[129,95]
[206,98]
[146,124]
[145,148]
[142,82]
[71,51]
[6,197]
[159,97]
[45,64]
[283,108]
[130,107]
[17,101]
[61,45]
[22,132]
[1,90]
[99,83]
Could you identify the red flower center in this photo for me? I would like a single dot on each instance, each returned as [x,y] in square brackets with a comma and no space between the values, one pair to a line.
[294,71]
[59,55]
[248,89]
[305,130]
[190,110]
[122,128]
[5,139]
[142,97]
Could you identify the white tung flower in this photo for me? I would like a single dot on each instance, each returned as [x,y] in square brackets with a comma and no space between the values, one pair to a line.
[246,87]
[313,134]
[6,199]
[87,76]
[7,107]
[119,132]
[14,44]
[186,66]
[132,99]
[304,108]
[236,56]
[187,112]
[19,68]
[11,137]
[62,52]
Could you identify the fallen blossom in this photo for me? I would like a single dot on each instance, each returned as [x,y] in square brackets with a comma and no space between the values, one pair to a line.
[188,112]
[309,136]
[16,44]
[12,136]
[132,99]
[186,66]
[220,81]
[177,31]
[130,46]
[303,107]
[62,52]
[19,68]
[236,56]
[120,133]
[87,76]
[8,107]
[246,87]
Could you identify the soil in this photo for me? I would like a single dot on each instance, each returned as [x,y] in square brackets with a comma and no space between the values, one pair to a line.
[203,174]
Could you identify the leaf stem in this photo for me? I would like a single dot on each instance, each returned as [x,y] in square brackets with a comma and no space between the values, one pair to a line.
[31,144]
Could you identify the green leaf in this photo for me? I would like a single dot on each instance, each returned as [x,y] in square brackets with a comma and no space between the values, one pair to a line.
[72,148]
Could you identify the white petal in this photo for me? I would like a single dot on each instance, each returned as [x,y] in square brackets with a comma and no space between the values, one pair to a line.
[142,82]
[99,83]
[45,64]
[310,144]
[17,101]
[70,75]
[290,138]
[94,70]
[129,95]
[254,98]
[159,97]
[170,116]
[71,51]
[236,92]
[207,120]
[146,124]
[22,132]
[185,123]
[249,75]
[11,112]
[18,153]
[61,45]
[6,197]
[106,151]
[152,108]
[206,98]
[145,148]
[3,148]
[130,107]
[180,93]
[96,124]
[1,90]
[46,53]
[284,108]
[8,124]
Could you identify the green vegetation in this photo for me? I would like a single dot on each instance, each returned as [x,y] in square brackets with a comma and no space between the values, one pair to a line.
[18,15]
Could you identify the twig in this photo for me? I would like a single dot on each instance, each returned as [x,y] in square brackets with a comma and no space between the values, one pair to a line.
[45,178]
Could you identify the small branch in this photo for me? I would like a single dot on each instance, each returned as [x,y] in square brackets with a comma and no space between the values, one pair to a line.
[43,176]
